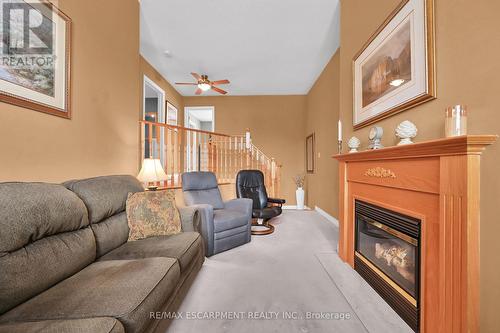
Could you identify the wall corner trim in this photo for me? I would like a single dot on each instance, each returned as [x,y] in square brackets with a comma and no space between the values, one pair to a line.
[327,216]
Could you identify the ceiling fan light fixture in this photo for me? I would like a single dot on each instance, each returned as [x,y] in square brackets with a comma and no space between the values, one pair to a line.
[204,86]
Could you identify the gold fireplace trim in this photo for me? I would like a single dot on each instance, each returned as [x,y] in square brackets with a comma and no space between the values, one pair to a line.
[391,231]
[393,284]
[380,172]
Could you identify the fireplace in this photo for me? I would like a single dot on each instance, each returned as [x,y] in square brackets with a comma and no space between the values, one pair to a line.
[387,256]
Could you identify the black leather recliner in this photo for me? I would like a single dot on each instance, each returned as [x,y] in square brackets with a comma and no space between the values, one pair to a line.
[250,184]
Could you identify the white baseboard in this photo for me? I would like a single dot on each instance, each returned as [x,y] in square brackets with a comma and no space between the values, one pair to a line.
[327,216]
[293,207]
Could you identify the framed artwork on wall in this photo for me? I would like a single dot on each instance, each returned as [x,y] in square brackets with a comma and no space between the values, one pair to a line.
[35,56]
[310,142]
[394,70]
[171,114]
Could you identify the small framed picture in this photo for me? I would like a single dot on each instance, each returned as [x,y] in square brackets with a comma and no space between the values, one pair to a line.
[310,153]
[171,114]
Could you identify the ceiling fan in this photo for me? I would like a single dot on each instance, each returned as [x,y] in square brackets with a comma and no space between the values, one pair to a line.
[204,84]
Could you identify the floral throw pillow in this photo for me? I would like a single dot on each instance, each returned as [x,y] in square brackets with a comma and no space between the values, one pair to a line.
[152,213]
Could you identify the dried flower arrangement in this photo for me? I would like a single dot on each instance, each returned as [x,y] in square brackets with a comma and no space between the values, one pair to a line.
[299,180]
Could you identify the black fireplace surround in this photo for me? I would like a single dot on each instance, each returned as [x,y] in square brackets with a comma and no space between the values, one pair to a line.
[387,256]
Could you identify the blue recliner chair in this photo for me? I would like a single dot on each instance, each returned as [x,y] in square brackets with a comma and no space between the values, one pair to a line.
[224,225]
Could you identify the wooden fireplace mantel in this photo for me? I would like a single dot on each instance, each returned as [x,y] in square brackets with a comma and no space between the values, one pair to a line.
[437,182]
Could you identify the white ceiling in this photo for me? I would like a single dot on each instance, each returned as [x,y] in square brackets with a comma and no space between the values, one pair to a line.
[264,47]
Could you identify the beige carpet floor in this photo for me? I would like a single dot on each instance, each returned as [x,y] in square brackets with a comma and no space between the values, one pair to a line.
[289,281]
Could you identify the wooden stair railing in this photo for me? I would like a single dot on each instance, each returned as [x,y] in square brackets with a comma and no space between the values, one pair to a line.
[182,149]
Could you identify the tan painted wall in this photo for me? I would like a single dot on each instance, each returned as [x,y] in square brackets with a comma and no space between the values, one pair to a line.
[467,49]
[276,124]
[102,137]
[171,94]
[321,119]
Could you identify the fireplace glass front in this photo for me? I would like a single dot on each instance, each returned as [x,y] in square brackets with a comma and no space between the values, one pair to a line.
[387,256]
[392,252]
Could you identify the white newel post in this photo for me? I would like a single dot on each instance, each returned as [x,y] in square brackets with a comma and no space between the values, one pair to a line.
[299,194]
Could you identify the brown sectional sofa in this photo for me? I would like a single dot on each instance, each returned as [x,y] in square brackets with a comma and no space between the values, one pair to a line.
[66,265]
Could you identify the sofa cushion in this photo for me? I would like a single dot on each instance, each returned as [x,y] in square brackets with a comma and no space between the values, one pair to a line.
[124,289]
[105,199]
[44,238]
[110,233]
[183,247]
[94,325]
[226,219]
[152,214]
[104,196]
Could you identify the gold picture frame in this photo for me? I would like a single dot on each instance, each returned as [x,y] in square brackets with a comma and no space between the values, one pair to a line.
[310,142]
[383,85]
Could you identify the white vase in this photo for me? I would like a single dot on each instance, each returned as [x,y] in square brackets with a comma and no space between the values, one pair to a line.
[299,194]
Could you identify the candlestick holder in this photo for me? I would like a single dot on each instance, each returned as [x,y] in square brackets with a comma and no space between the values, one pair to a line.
[340,147]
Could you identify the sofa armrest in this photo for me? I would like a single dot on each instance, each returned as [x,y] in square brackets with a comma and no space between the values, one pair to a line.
[242,205]
[280,202]
[95,325]
[206,225]
[190,219]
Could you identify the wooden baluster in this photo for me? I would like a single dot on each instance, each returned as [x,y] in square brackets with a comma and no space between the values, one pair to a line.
[242,155]
[193,151]
[230,157]
[247,151]
[150,140]
[221,158]
[273,175]
[191,139]
[214,153]
[166,157]
[158,147]
[203,152]
[201,155]
[185,165]
[171,136]
[179,155]
[173,131]
[225,160]
[143,142]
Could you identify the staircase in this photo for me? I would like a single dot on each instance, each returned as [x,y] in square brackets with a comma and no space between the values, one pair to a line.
[182,149]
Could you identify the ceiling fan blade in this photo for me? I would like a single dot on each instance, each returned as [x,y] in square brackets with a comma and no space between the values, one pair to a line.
[219,90]
[198,91]
[196,76]
[186,83]
[221,82]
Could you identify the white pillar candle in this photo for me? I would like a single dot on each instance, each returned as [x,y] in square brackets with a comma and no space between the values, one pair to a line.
[340,130]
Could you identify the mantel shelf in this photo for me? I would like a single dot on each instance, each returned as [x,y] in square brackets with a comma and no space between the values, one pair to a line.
[459,145]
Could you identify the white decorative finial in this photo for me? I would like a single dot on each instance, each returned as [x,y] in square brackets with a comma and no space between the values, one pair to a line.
[354,144]
[406,131]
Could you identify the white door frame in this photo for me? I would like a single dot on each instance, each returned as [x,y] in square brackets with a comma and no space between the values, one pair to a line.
[161,110]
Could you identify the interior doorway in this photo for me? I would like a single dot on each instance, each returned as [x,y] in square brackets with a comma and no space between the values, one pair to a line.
[201,118]
[154,111]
